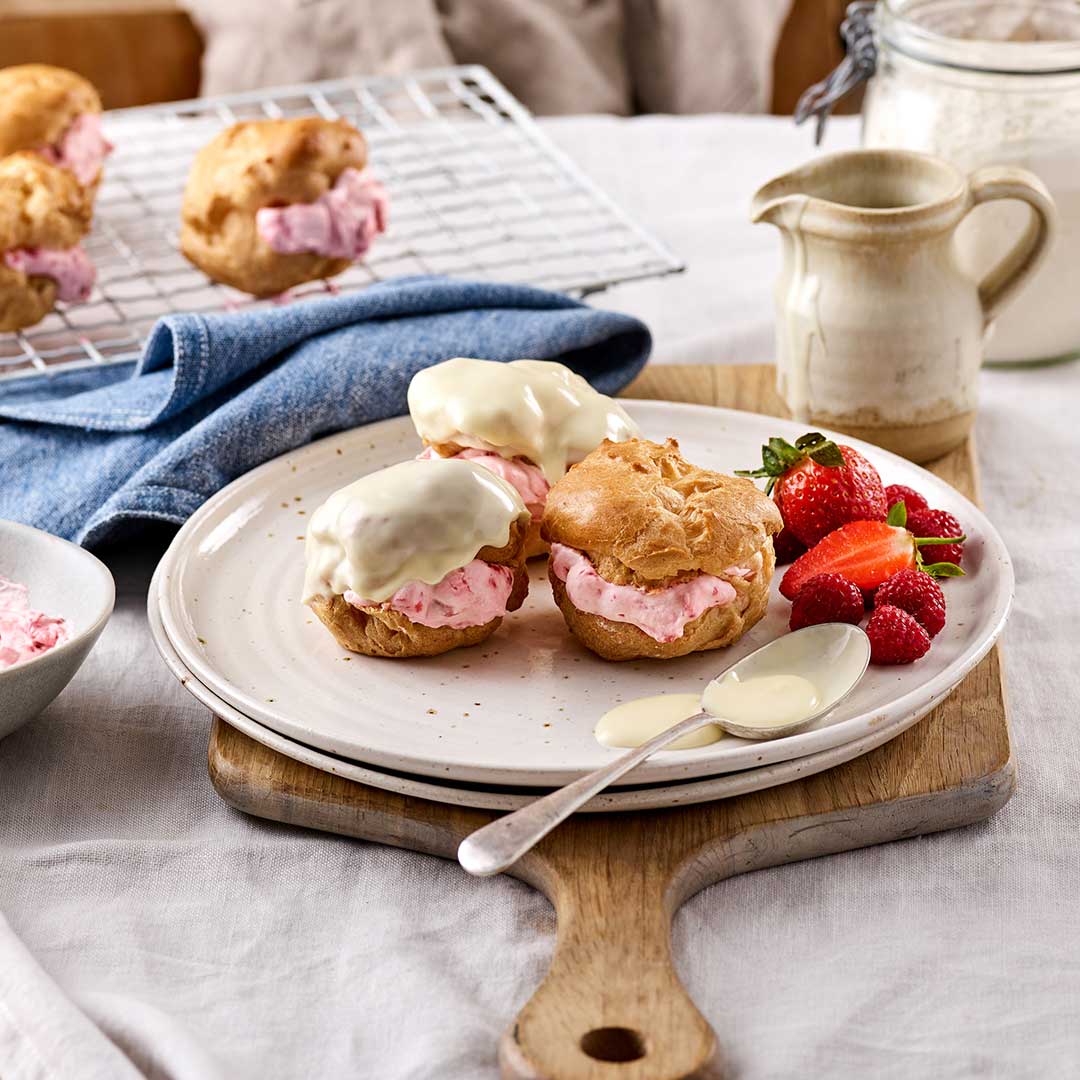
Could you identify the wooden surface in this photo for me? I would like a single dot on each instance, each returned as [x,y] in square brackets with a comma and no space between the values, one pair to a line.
[809,48]
[133,54]
[611,1004]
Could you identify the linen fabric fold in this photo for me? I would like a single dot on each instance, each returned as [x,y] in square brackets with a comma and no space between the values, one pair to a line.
[84,453]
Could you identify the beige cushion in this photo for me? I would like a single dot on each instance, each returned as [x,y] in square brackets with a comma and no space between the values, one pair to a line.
[558,56]
[254,43]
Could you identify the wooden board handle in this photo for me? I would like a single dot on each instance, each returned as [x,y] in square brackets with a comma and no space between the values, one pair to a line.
[611,1004]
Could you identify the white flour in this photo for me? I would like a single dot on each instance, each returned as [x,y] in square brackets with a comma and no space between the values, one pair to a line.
[982,118]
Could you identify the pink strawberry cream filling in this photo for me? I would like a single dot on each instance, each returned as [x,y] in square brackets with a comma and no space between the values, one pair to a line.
[70,268]
[526,479]
[340,224]
[469,596]
[81,149]
[660,613]
[25,633]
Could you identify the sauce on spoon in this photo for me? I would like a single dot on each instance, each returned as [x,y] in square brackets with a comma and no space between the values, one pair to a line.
[766,701]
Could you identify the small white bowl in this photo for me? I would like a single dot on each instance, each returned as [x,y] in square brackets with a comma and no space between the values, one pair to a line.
[63,580]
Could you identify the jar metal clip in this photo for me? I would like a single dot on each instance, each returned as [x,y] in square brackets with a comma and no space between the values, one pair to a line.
[857,67]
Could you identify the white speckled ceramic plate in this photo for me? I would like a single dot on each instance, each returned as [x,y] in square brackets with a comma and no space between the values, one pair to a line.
[520,708]
[644,797]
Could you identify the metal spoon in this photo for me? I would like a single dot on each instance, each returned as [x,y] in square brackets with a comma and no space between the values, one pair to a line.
[833,655]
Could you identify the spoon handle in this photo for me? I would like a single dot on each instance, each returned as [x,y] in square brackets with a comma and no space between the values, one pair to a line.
[501,843]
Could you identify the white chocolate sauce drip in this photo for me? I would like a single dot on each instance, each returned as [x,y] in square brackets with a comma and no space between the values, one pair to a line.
[415,521]
[534,409]
[800,326]
[766,701]
[636,722]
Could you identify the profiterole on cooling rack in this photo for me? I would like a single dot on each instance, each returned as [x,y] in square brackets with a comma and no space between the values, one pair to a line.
[654,557]
[55,113]
[417,559]
[270,204]
[44,214]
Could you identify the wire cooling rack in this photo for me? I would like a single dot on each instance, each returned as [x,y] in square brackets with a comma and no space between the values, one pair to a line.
[476,190]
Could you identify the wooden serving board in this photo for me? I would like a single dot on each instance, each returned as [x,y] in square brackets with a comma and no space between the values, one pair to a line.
[611,1004]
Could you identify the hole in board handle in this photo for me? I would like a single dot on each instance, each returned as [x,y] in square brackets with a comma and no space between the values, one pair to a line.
[613,1044]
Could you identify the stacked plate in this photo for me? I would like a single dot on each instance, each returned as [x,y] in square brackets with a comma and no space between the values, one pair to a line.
[494,725]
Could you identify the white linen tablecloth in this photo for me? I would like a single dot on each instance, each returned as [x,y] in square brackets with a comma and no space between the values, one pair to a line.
[152,930]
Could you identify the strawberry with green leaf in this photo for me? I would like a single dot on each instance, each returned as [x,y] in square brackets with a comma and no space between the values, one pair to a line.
[868,553]
[819,485]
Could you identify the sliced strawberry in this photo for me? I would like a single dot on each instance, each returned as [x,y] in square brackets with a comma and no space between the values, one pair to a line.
[866,553]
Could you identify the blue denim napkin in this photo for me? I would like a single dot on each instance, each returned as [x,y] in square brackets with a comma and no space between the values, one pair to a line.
[212,396]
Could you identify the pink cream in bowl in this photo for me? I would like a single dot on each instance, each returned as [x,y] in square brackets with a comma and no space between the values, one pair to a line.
[24,632]
[472,595]
[340,224]
[661,613]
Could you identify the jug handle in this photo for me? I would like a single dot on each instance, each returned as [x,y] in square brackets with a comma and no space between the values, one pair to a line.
[1001,283]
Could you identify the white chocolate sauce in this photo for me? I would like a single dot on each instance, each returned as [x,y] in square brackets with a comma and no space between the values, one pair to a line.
[636,722]
[767,701]
[534,409]
[415,521]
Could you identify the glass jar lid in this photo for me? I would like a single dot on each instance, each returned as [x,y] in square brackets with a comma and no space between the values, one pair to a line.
[1008,37]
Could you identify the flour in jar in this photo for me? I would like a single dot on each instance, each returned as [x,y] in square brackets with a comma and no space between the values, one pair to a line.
[971,112]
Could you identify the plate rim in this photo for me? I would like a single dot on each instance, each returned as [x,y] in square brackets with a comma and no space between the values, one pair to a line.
[775,752]
[627,799]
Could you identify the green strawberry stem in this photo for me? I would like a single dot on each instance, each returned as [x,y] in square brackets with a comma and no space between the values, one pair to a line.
[778,456]
[898,519]
[897,515]
[940,569]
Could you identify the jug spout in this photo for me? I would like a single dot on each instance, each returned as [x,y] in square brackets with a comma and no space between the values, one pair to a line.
[778,204]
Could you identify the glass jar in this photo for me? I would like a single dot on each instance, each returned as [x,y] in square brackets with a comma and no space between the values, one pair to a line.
[984,82]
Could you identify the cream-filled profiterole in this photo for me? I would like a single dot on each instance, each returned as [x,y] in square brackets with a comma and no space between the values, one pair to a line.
[652,556]
[417,559]
[527,421]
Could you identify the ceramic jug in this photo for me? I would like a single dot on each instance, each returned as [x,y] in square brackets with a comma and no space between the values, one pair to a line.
[879,329]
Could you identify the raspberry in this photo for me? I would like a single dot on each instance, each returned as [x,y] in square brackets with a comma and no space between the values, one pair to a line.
[826,598]
[787,548]
[936,523]
[895,493]
[919,595]
[895,636]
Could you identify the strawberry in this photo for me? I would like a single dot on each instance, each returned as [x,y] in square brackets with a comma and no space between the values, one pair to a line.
[939,523]
[827,598]
[866,553]
[895,636]
[895,493]
[787,548]
[919,595]
[819,485]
